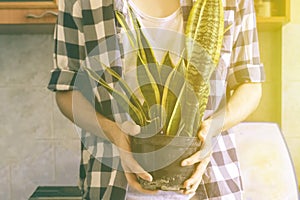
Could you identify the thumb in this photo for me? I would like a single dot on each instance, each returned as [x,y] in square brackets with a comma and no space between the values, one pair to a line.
[198,156]
[130,128]
[140,172]
[130,165]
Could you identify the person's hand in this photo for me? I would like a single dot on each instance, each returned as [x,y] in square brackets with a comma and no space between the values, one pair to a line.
[130,166]
[201,158]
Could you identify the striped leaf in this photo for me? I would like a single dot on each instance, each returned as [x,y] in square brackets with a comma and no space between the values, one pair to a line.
[171,99]
[129,93]
[148,85]
[121,19]
[122,100]
[144,48]
[204,37]
[205,28]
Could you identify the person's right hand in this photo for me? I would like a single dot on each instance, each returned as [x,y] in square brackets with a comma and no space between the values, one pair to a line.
[130,166]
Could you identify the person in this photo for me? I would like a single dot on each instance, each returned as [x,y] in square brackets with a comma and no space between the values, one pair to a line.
[89,27]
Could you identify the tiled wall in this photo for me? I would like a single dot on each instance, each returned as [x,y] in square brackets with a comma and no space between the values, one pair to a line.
[291,84]
[38,146]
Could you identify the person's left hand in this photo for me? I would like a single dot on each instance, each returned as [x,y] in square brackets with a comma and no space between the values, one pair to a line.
[201,159]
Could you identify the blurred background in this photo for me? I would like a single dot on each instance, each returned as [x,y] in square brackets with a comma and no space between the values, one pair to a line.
[40,147]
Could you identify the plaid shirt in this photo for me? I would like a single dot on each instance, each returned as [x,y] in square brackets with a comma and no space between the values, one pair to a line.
[88,28]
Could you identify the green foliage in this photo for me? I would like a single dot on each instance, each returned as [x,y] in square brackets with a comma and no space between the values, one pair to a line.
[181,90]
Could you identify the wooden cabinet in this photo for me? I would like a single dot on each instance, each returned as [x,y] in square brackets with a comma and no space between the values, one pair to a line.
[28,12]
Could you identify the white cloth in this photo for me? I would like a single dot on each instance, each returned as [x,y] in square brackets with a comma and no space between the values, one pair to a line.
[161,195]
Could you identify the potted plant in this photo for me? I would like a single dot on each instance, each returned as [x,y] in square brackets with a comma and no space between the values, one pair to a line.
[175,95]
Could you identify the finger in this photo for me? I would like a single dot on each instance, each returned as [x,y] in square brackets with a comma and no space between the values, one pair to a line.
[145,175]
[204,129]
[193,183]
[196,157]
[133,182]
[192,190]
[197,175]
[202,135]
[140,172]
[130,128]
[193,159]
[130,165]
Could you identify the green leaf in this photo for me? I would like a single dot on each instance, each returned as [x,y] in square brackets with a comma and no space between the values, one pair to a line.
[129,93]
[171,100]
[144,48]
[147,83]
[121,19]
[204,37]
[121,99]
[205,28]
[166,67]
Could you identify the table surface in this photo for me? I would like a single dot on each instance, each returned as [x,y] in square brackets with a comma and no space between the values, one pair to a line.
[266,166]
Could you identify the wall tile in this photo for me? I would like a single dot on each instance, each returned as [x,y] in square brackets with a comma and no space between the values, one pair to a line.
[5,190]
[34,171]
[269,43]
[291,59]
[63,128]
[291,108]
[269,108]
[29,120]
[67,157]
[295,17]
[25,60]
[25,115]
[270,105]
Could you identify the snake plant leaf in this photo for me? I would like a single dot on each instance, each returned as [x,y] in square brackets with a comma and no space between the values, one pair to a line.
[148,85]
[122,100]
[129,93]
[121,19]
[146,52]
[171,99]
[204,36]
[166,67]
[178,94]
[185,113]
[190,109]
[144,48]
[205,28]
[175,120]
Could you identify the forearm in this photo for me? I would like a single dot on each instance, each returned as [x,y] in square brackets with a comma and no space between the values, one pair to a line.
[80,111]
[240,105]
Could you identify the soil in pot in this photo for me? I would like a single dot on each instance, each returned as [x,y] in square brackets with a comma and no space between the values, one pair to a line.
[161,156]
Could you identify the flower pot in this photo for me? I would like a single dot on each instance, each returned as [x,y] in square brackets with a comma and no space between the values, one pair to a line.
[161,156]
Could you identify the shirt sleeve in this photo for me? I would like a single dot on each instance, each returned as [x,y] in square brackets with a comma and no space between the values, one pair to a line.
[69,48]
[245,59]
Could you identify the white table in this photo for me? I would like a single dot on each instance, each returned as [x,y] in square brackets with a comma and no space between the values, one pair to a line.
[267,169]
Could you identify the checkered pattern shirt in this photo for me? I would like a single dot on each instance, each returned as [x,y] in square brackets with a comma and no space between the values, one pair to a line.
[88,28]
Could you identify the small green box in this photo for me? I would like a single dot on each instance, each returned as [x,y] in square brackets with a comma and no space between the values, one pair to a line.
[57,193]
